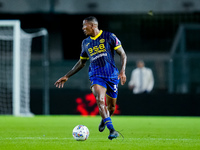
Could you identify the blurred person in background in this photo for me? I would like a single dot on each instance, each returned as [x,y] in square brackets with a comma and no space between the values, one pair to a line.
[142,80]
[100,47]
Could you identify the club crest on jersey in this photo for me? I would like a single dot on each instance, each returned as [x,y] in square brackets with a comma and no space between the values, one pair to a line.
[102,41]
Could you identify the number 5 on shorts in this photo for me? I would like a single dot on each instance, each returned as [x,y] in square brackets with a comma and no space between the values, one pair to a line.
[115,88]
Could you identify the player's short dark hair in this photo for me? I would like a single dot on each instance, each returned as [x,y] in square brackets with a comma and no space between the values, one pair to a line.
[91,19]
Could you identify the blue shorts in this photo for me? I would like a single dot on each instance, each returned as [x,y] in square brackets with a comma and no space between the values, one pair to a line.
[111,85]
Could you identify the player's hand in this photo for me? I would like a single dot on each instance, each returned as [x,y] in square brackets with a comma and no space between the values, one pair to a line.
[122,77]
[60,82]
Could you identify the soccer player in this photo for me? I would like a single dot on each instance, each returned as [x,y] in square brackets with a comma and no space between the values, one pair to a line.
[100,47]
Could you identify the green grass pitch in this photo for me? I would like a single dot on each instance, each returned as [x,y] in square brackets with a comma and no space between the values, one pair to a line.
[140,133]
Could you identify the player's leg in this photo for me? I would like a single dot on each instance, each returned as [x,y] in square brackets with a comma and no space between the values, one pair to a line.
[111,98]
[111,103]
[99,93]
[99,87]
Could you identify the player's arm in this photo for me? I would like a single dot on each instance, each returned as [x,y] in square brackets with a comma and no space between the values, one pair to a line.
[78,66]
[123,59]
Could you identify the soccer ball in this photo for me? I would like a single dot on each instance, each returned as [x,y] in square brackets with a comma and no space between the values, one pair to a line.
[80,133]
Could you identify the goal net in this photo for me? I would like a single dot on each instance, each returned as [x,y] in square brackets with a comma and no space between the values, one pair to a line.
[15,55]
[184,63]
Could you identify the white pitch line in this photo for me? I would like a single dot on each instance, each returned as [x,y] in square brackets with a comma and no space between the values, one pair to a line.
[58,138]
[34,138]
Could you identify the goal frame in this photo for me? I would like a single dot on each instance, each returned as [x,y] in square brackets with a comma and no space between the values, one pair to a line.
[16,64]
[17,68]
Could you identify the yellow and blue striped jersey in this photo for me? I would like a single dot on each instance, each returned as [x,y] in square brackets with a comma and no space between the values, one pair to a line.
[101,50]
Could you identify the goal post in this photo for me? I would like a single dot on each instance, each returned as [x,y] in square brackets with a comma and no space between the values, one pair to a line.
[16,68]
[15,58]
[15,37]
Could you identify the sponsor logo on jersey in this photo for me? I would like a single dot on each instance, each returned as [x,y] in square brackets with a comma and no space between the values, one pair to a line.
[102,41]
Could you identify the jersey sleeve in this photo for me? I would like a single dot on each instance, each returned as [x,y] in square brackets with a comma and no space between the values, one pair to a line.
[83,54]
[115,42]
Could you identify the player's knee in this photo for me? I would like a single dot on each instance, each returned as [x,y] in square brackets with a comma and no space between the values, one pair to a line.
[100,100]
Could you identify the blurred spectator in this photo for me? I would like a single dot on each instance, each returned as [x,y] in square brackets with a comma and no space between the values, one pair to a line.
[142,80]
